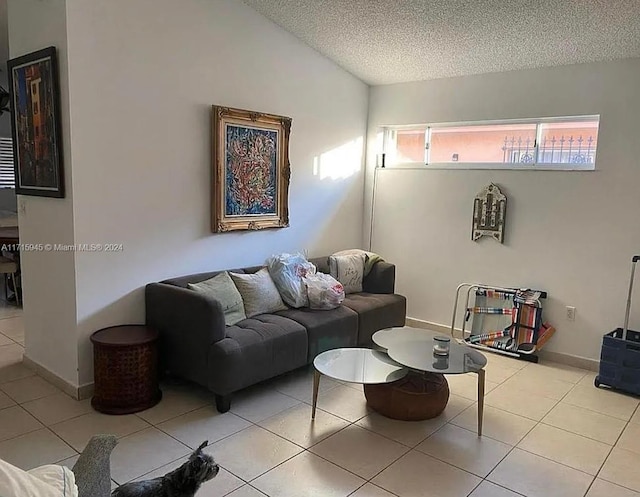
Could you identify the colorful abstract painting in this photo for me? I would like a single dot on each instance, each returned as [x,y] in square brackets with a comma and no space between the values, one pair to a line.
[250,171]
[35,123]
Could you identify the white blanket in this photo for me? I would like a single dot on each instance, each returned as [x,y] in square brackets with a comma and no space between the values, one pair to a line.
[46,481]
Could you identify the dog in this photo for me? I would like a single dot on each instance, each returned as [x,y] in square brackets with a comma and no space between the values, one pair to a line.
[182,482]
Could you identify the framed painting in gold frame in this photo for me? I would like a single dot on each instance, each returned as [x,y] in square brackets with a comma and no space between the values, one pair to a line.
[250,170]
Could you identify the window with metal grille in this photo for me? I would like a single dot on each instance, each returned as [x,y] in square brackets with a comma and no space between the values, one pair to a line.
[564,143]
[7,177]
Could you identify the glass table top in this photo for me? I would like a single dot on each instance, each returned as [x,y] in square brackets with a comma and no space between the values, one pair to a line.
[357,365]
[385,338]
[418,354]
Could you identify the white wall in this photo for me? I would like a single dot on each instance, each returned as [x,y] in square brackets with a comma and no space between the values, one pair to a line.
[5,118]
[48,278]
[570,233]
[143,76]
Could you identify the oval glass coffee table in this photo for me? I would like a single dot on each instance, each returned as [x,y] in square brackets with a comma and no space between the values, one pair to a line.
[355,365]
[413,348]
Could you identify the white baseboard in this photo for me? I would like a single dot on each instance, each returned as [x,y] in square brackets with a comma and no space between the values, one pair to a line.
[570,360]
[51,377]
[428,325]
[85,391]
[549,355]
[77,392]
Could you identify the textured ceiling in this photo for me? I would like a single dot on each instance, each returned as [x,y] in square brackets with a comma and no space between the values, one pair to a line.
[391,41]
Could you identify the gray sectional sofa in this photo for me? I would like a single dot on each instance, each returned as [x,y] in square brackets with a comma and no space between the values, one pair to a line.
[197,346]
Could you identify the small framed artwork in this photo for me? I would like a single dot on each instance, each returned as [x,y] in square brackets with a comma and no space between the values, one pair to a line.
[250,177]
[35,121]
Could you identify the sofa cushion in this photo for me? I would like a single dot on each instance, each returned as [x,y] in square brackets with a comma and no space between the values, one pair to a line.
[256,349]
[376,312]
[222,288]
[326,329]
[321,264]
[259,293]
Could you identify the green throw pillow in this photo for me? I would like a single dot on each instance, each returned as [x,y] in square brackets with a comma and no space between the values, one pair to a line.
[222,288]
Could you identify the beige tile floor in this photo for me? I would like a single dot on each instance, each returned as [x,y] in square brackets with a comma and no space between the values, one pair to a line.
[548,432]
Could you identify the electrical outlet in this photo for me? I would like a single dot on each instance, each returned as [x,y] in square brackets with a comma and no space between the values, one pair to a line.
[571,313]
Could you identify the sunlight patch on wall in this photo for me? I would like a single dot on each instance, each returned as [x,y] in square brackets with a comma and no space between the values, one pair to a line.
[341,162]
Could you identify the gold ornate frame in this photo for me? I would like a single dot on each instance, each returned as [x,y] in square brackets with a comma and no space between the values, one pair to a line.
[220,220]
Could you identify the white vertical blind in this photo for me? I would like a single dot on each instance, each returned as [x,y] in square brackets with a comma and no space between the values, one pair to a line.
[7,177]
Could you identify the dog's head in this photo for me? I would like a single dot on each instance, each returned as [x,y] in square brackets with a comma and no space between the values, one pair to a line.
[201,467]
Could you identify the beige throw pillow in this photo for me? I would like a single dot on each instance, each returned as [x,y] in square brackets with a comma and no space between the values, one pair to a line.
[222,288]
[259,293]
[348,270]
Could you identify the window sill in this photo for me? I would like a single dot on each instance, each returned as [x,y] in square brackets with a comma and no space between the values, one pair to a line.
[495,167]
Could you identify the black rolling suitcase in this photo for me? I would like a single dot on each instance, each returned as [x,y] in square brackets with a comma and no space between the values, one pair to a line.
[620,355]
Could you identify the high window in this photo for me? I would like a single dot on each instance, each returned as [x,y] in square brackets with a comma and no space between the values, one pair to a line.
[7,179]
[567,143]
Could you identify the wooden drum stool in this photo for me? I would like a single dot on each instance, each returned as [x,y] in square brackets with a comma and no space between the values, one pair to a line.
[125,362]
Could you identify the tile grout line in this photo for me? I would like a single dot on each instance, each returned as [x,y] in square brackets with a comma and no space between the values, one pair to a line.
[482,478]
[42,425]
[580,434]
[349,423]
[252,424]
[171,418]
[64,442]
[541,422]
[537,422]
[637,409]
[597,412]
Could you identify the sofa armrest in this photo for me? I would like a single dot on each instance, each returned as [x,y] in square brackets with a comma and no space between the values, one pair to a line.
[189,323]
[381,278]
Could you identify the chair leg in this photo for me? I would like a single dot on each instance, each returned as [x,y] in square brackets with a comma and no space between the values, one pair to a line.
[15,289]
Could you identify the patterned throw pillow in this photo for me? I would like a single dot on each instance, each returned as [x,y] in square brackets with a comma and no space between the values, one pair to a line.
[348,270]
[222,288]
[259,293]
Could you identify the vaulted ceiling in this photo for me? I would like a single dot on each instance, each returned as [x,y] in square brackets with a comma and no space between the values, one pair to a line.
[391,41]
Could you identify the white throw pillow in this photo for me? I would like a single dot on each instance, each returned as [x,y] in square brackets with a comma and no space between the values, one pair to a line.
[46,481]
[348,270]
[259,293]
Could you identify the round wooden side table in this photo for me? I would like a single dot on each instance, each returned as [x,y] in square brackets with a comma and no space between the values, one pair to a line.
[125,362]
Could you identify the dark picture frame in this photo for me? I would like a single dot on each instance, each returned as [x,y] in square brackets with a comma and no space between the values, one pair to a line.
[250,170]
[36,124]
